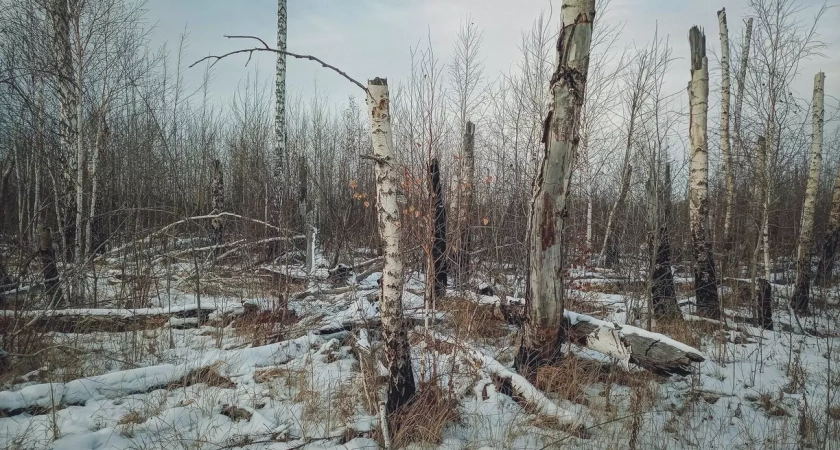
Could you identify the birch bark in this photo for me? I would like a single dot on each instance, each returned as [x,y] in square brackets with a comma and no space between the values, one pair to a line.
[705,282]
[561,135]
[801,291]
[401,380]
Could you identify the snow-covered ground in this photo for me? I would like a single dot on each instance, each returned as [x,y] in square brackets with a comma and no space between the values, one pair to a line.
[312,387]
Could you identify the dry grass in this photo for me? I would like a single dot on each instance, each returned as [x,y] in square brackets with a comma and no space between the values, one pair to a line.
[473,320]
[205,375]
[132,417]
[425,417]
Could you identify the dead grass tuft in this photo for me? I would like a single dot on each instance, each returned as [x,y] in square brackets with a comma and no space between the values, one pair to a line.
[473,320]
[205,375]
[425,417]
[132,417]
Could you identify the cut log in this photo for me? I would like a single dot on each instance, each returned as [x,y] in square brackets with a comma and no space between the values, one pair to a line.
[652,351]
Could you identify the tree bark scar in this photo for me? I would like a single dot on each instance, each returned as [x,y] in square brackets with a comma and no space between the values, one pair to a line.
[547,227]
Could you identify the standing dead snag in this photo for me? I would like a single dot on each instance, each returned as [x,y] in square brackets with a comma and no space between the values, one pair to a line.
[401,380]
[463,205]
[437,266]
[218,202]
[662,289]
[561,135]
[705,283]
[762,291]
[801,291]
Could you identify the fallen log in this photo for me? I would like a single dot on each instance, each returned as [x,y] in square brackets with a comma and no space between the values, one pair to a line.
[40,398]
[531,396]
[80,320]
[652,351]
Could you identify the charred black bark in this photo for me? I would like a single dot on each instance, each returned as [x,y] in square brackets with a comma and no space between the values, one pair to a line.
[441,272]
[764,306]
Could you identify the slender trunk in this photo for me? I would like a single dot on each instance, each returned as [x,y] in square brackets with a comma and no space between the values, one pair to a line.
[49,269]
[102,135]
[307,216]
[463,206]
[801,291]
[762,307]
[544,295]
[768,181]
[401,380]
[60,13]
[279,156]
[218,203]
[705,281]
[81,156]
[742,76]
[609,253]
[725,149]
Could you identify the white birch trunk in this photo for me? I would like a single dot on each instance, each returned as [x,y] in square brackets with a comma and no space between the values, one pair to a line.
[81,155]
[279,156]
[725,148]
[705,282]
[742,76]
[801,292]
[101,143]
[401,380]
[561,136]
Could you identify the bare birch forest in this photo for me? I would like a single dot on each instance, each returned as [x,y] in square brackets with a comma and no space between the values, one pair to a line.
[573,253]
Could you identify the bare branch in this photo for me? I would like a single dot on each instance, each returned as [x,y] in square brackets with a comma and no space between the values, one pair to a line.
[266,48]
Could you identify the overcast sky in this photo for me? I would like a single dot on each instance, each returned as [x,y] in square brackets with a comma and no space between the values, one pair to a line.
[369,38]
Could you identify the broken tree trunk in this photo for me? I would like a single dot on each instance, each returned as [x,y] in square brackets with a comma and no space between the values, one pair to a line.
[662,289]
[463,207]
[802,288]
[218,203]
[764,303]
[725,143]
[653,351]
[742,76]
[561,134]
[437,255]
[705,281]
[401,380]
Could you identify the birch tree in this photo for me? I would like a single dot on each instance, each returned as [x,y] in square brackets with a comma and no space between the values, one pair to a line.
[725,142]
[801,291]
[705,282]
[742,77]
[401,378]
[217,198]
[279,156]
[463,204]
[544,297]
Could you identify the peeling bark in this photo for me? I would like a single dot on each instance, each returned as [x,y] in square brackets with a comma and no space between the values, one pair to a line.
[218,203]
[801,291]
[662,288]
[278,158]
[401,380]
[705,281]
[561,135]
[438,251]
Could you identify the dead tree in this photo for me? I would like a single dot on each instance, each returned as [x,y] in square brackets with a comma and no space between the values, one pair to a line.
[401,378]
[662,289]
[705,281]
[801,291]
[218,203]
[544,297]
[437,262]
[463,206]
